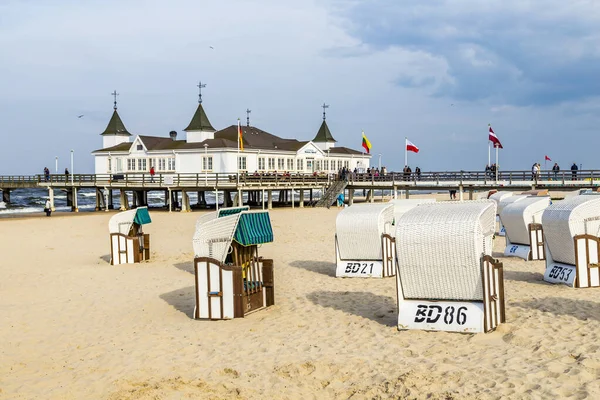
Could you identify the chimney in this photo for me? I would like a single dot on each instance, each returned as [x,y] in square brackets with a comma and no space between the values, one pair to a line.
[173,135]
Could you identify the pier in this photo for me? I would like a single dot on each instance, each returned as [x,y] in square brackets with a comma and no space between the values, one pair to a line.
[293,189]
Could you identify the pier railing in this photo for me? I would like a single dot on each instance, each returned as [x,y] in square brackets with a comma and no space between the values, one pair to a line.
[213,180]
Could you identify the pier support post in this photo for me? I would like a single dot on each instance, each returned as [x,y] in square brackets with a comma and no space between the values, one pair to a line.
[51,198]
[406,194]
[124,201]
[292,198]
[240,198]
[170,202]
[111,205]
[75,207]
[461,192]
[395,192]
[301,198]
[350,197]
[471,194]
[270,199]
[134,198]
[6,195]
[217,199]
[310,195]
[262,198]
[185,202]
[99,199]
[371,195]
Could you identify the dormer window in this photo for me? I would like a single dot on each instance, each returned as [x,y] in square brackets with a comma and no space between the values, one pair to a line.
[140,147]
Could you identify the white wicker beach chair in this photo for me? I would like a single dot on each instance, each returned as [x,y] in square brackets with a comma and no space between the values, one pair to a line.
[403,205]
[499,196]
[503,203]
[364,245]
[572,235]
[231,279]
[522,221]
[128,243]
[446,278]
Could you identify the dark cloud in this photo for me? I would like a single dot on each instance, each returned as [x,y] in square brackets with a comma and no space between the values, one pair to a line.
[509,51]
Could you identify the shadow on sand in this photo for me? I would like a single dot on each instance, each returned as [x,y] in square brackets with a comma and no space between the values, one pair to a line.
[320,267]
[378,308]
[106,258]
[581,309]
[187,266]
[183,300]
[524,276]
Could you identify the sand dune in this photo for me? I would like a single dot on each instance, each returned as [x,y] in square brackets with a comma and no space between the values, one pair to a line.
[73,327]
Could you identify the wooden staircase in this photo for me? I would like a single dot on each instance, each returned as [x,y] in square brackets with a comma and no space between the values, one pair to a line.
[331,194]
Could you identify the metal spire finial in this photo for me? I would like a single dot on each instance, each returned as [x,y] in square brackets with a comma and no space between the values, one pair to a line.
[200,86]
[324,107]
[248,111]
[115,94]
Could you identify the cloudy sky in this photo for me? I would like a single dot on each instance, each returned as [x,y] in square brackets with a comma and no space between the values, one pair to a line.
[435,71]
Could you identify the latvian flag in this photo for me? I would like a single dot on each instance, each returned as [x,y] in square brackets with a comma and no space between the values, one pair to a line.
[411,147]
[366,144]
[494,139]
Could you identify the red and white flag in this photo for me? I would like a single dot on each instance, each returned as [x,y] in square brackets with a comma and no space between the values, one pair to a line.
[494,139]
[546,158]
[411,147]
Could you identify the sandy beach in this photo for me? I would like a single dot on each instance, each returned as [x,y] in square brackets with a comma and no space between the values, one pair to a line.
[74,327]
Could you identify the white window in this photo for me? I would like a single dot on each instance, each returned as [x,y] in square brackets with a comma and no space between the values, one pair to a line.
[309,165]
[119,164]
[207,163]
[326,165]
[141,164]
[281,164]
[152,162]
[318,167]
[271,164]
[290,164]
[242,163]
[109,164]
[339,164]
[131,164]
[261,163]
[300,164]
[161,164]
[347,164]
[171,164]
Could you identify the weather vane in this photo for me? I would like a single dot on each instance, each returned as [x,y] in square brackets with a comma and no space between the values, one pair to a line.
[324,107]
[248,111]
[115,94]
[200,86]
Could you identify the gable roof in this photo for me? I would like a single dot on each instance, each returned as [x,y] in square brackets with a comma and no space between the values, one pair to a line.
[258,139]
[115,126]
[324,134]
[200,121]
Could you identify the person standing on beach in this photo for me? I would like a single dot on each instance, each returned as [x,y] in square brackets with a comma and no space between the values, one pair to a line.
[48,208]
[574,171]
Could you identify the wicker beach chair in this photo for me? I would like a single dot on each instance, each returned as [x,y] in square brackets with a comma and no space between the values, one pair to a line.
[231,279]
[522,221]
[128,243]
[500,206]
[403,205]
[499,196]
[572,236]
[364,245]
[446,278]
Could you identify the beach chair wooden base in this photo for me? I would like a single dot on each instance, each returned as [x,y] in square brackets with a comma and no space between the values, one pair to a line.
[129,249]
[223,293]
[457,316]
[534,251]
[586,271]
[369,268]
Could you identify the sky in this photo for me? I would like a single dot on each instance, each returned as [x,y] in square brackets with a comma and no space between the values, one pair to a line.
[437,72]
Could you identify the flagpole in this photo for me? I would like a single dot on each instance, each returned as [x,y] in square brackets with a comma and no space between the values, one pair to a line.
[237,169]
[497,162]
[405,151]
[489,153]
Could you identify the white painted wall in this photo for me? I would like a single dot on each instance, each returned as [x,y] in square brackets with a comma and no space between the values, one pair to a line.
[113,140]
[198,136]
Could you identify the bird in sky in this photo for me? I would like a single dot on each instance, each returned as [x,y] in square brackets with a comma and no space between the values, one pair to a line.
[80,116]
[211,47]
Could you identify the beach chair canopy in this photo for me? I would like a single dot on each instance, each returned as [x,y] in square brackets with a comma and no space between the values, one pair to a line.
[439,248]
[403,205]
[359,229]
[567,218]
[517,216]
[499,196]
[122,222]
[509,200]
[213,237]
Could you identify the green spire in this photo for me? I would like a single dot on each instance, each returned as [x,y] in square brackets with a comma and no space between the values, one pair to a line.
[115,126]
[324,135]
[200,122]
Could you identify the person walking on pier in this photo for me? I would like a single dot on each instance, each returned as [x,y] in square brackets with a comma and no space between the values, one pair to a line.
[152,172]
[574,171]
[556,170]
[46,174]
